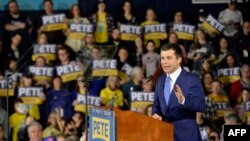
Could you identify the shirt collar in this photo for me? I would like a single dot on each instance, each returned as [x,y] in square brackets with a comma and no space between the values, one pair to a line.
[175,74]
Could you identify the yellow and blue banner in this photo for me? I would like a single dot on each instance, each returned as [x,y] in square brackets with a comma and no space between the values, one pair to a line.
[140,100]
[48,51]
[184,31]
[102,125]
[30,95]
[106,67]
[130,32]
[54,22]
[4,91]
[228,75]
[212,25]
[93,101]
[155,31]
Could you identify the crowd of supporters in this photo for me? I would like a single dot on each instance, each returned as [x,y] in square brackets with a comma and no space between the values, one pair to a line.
[221,61]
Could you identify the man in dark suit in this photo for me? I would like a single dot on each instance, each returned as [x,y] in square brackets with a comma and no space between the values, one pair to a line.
[178,96]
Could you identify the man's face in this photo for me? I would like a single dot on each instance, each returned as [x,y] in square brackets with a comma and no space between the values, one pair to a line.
[169,61]
[63,55]
[89,39]
[48,7]
[13,8]
[123,54]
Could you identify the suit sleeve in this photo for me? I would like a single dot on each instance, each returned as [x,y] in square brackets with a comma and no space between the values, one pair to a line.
[156,106]
[195,97]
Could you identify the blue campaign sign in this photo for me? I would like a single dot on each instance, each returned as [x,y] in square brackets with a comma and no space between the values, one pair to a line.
[38,4]
[102,125]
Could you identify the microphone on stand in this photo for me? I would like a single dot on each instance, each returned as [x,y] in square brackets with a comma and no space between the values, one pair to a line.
[113,100]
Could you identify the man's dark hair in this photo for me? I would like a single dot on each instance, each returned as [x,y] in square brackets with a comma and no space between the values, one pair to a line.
[175,47]
[11,2]
[51,2]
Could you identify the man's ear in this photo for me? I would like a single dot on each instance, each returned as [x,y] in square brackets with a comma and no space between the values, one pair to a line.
[179,59]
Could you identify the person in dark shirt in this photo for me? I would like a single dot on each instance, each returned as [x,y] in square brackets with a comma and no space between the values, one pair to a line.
[53,36]
[128,15]
[18,23]
[241,43]
[59,98]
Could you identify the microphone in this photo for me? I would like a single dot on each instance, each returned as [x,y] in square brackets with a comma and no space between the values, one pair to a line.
[113,100]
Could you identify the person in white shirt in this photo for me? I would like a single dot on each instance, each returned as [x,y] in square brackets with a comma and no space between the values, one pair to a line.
[231,18]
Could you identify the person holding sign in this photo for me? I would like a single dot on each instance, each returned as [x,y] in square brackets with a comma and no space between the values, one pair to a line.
[244,106]
[59,98]
[237,86]
[178,19]
[220,100]
[178,96]
[76,24]
[151,19]
[54,36]
[103,23]
[232,18]
[127,17]
[200,50]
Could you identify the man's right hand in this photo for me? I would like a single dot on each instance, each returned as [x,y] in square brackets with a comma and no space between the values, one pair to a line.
[156,116]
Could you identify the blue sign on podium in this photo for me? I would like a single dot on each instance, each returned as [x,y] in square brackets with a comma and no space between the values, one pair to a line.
[102,125]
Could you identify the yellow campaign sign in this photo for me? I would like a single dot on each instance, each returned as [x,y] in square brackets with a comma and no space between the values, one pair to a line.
[81,108]
[130,32]
[41,73]
[104,67]
[70,76]
[140,100]
[185,36]
[30,95]
[228,75]
[55,27]
[101,129]
[184,31]
[212,25]
[48,51]
[228,79]
[93,101]
[209,28]
[128,37]
[77,35]
[123,76]
[3,92]
[54,22]
[32,100]
[46,78]
[155,31]
[141,104]
[47,56]
[69,72]
[151,36]
[104,72]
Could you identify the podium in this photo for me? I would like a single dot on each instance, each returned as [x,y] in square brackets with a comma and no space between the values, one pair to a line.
[133,126]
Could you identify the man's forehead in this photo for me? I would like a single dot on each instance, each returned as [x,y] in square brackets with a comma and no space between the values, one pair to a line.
[168,52]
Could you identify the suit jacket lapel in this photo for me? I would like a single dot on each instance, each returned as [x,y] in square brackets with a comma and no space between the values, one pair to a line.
[161,93]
